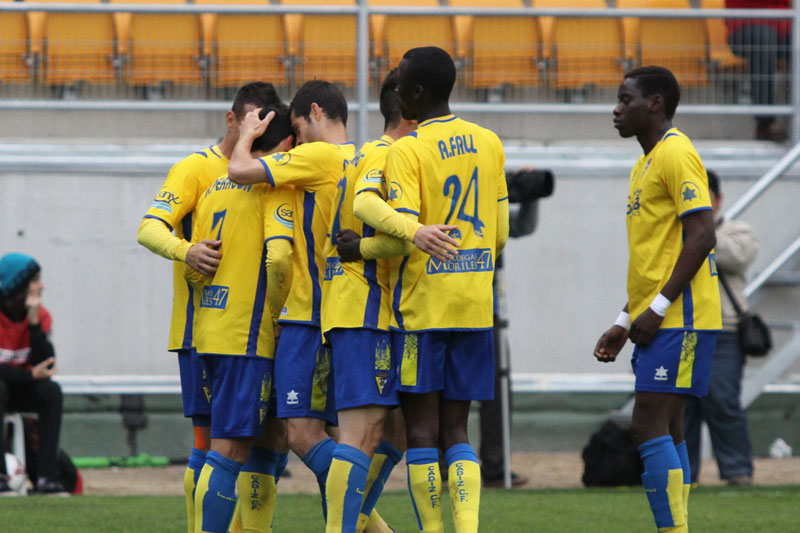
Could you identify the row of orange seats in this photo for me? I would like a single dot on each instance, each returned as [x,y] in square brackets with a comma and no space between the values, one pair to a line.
[147,48]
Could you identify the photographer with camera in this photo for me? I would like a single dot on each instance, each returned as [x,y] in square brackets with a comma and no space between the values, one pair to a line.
[525,188]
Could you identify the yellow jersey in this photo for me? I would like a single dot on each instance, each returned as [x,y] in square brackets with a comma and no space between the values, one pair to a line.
[449,171]
[174,205]
[233,315]
[356,294]
[314,169]
[665,185]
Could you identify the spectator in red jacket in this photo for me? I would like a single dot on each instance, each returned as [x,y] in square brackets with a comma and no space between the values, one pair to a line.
[761,42]
[26,364]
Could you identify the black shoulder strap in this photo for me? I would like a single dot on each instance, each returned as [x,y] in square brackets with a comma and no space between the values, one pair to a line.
[729,292]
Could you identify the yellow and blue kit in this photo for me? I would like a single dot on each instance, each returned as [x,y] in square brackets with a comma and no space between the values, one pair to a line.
[665,185]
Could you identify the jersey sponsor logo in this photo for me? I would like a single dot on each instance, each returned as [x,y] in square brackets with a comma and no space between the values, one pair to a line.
[292,397]
[395,191]
[689,191]
[164,200]
[332,268]
[457,145]
[661,374]
[473,260]
[374,176]
[285,216]
[633,205]
[214,297]
[281,158]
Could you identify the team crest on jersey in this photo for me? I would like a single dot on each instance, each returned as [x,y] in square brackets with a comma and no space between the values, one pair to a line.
[383,364]
[374,176]
[689,191]
[281,158]
[395,191]
[285,216]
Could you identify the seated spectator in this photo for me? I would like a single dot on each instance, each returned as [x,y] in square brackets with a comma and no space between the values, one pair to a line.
[27,363]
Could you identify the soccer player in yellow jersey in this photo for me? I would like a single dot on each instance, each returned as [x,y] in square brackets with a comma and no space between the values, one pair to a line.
[673,310]
[172,210]
[355,320]
[234,335]
[302,364]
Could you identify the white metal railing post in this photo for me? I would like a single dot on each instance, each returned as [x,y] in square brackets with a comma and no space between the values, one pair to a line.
[795,40]
[362,71]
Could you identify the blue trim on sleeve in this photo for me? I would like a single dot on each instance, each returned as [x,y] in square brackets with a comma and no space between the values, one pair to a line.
[309,201]
[290,239]
[203,154]
[693,210]
[398,291]
[405,210]
[373,308]
[668,135]
[258,306]
[503,198]
[161,219]
[370,189]
[269,174]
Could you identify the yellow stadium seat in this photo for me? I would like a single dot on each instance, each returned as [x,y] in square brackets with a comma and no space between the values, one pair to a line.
[36,21]
[78,47]
[718,49]
[587,52]
[324,45]
[498,50]
[123,21]
[680,45]
[396,34]
[14,48]
[547,22]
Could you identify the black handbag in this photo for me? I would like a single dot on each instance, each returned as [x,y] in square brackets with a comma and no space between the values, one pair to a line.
[754,336]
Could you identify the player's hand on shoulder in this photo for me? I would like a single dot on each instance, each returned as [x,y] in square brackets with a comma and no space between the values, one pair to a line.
[610,344]
[348,242]
[204,256]
[434,241]
[644,327]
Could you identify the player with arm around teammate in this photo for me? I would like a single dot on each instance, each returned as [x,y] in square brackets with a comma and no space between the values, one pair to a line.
[673,296]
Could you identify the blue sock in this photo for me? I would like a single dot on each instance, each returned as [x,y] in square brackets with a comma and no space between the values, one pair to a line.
[663,481]
[196,461]
[393,456]
[318,459]
[262,461]
[683,456]
[460,452]
[219,500]
[346,482]
[283,460]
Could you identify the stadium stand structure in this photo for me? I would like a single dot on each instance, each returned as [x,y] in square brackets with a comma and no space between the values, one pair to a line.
[16,60]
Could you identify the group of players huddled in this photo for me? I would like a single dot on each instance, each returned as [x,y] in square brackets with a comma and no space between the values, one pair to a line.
[318,286]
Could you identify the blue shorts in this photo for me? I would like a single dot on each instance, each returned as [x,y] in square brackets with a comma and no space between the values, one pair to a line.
[240,394]
[196,403]
[675,362]
[363,370]
[460,363]
[303,375]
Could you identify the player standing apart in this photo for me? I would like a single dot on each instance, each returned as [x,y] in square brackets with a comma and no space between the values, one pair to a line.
[172,210]
[449,171]
[673,296]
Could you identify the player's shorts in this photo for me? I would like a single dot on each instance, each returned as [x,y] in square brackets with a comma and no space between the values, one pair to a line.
[303,375]
[195,402]
[240,394]
[363,369]
[675,362]
[460,363]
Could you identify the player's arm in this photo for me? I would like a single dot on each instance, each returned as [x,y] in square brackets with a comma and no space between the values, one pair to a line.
[352,247]
[243,168]
[612,341]
[279,274]
[503,225]
[157,237]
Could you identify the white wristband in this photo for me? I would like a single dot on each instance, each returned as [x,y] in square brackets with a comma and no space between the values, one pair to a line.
[660,304]
[623,320]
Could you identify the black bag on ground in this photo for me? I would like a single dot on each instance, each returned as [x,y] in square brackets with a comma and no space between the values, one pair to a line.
[67,472]
[611,458]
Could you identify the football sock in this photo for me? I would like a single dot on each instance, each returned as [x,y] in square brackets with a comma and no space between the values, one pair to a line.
[425,487]
[384,460]
[663,483]
[347,480]
[375,524]
[318,459]
[196,461]
[256,484]
[464,476]
[215,495]
[683,455]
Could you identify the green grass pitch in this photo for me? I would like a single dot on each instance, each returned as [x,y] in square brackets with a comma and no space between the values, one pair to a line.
[718,509]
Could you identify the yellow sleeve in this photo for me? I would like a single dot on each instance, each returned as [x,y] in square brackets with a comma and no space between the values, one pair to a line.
[310,166]
[684,176]
[370,207]
[279,275]
[381,246]
[156,236]
[502,225]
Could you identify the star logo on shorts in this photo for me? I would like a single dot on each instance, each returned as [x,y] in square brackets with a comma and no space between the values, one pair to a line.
[292,397]
[661,374]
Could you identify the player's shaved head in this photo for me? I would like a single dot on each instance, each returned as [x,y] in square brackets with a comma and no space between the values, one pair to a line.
[432,68]
[279,128]
[256,93]
[326,95]
[658,80]
[389,100]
